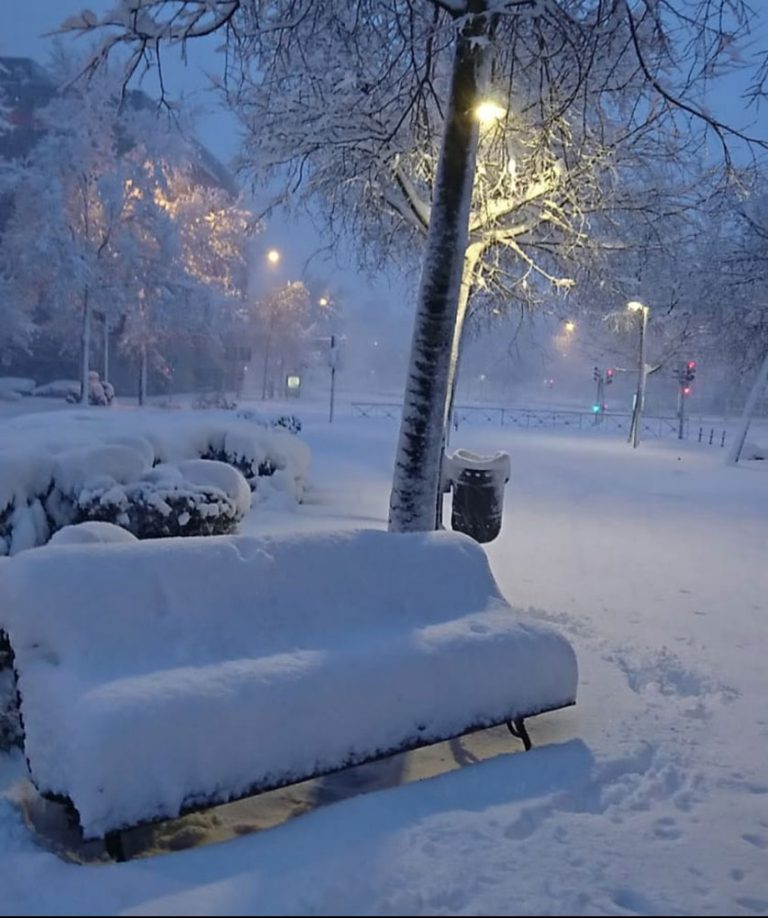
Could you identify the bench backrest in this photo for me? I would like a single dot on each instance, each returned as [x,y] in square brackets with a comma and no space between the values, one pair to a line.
[108,610]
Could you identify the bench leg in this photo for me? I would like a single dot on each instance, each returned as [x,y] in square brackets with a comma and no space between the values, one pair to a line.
[113,843]
[517,729]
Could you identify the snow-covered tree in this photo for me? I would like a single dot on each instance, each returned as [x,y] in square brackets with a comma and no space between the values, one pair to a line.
[68,223]
[278,325]
[374,109]
[194,296]
[109,217]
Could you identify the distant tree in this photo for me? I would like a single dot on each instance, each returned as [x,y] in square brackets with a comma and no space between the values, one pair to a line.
[279,323]
[108,219]
[194,295]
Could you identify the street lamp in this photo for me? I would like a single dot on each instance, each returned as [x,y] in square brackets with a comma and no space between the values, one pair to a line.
[273,256]
[570,326]
[637,408]
[488,111]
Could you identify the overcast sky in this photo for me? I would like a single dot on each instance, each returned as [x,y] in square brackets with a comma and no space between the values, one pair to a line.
[22,27]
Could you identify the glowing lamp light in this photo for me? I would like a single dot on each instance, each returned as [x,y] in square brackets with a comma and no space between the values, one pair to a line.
[686,390]
[488,111]
[273,256]
[570,326]
[323,301]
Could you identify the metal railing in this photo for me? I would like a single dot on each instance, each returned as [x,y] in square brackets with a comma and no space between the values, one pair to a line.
[540,418]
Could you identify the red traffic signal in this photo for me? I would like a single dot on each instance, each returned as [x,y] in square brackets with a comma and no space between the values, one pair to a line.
[686,390]
[609,375]
[691,364]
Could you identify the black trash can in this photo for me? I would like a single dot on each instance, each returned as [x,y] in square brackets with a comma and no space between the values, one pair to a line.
[478,492]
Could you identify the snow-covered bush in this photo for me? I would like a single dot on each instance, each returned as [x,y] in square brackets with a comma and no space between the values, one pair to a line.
[19,385]
[11,733]
[100,392]
[87,466]
[219,475]
[80,469]
[90,532]
[25,482]
[58,388]
[261,457]
[289,421]
[171,501]
[215,400]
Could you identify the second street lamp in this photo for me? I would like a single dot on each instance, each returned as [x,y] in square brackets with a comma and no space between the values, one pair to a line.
[637,408]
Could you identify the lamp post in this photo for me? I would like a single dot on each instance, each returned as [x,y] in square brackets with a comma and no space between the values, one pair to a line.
[637,408]
[273,257]
[333,356]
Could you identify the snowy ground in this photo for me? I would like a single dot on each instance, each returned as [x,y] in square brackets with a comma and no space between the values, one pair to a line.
[649,797]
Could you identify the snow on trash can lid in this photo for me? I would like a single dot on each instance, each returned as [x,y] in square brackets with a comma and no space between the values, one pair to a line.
[461,459]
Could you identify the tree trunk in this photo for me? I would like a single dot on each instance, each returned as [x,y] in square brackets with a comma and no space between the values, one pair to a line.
[85,350]
[749,409]
[105,356]
[267,347]
[471,259]
[142,374]
[416,479]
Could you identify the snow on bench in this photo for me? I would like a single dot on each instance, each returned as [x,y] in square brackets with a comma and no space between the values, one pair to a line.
[162,676]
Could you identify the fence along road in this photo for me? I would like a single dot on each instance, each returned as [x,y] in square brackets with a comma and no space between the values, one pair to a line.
[538,418]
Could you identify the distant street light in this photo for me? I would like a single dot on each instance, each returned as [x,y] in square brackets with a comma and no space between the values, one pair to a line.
[570,326]
[637,408]
[323,301]
[273,256]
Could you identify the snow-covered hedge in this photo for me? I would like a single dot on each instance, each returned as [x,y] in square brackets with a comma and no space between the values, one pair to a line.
[21,385]
[13,388]
[141,470]
[197,497]
[58,388]
[11,733]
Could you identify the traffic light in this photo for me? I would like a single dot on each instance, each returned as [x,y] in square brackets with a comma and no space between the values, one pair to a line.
[609,376]
[686,390]
[596,408]
[690,371]
[596,374]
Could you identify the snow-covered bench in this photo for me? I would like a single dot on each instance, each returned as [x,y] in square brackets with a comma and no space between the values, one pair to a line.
[162,676]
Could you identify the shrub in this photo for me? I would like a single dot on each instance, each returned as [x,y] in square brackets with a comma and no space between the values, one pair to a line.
[164,503]
[11,732]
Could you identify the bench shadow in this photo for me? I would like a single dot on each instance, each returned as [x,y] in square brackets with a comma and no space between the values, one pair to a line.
[51,824]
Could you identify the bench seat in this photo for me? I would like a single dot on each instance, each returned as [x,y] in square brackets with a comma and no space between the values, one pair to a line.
[156,677]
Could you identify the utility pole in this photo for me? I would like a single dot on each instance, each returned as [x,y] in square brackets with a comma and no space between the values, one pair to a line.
[749,408]
[637,407]
[332,358]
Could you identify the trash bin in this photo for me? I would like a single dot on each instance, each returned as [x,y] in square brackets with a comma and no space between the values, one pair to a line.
[478,492]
